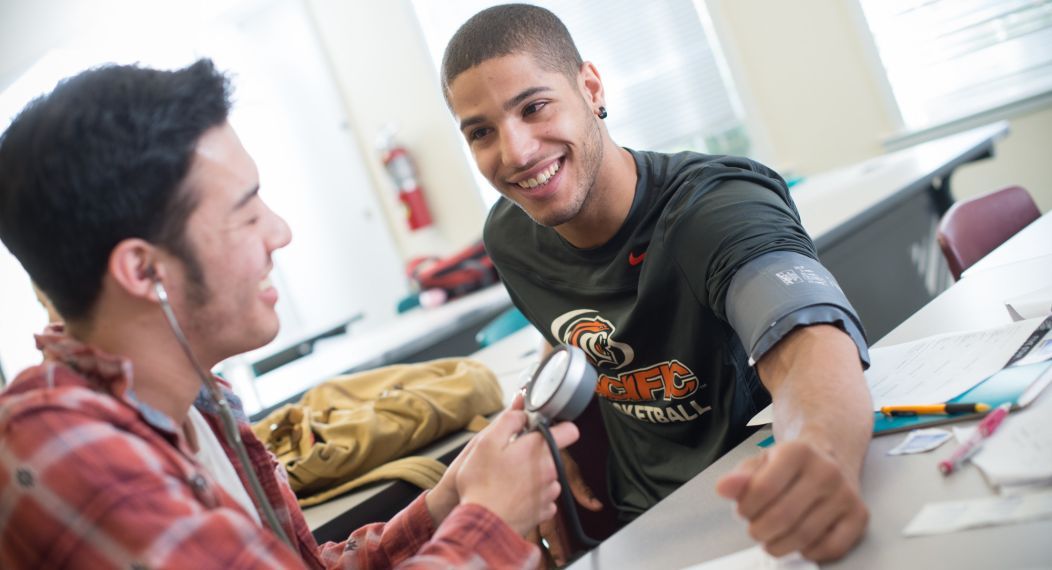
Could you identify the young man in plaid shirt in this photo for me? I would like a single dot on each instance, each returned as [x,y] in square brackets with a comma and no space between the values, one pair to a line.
[111,453]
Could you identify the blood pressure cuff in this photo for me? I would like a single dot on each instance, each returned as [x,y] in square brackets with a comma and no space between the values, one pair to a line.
[779,291]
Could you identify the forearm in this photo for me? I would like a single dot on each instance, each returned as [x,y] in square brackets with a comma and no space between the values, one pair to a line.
[820,395]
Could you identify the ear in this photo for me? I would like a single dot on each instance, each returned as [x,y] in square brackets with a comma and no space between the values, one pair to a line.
[135,264]
[591,86]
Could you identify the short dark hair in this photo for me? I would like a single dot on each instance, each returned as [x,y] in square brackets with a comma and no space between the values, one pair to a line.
[100,159]
[508,29]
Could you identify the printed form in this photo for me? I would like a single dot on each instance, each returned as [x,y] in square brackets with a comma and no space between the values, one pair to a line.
[941,367]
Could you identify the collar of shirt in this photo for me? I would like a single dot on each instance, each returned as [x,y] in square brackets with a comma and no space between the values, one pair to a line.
[109,372]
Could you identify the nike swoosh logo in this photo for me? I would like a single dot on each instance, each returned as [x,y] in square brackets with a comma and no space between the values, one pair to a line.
[634,259]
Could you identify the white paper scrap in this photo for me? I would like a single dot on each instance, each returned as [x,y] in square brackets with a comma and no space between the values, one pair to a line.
[920,441]
[756,558]
[952,516]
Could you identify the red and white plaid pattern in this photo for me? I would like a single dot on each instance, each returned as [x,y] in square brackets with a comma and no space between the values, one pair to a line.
[91,477]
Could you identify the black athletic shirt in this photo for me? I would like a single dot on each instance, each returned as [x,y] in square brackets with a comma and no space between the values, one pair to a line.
[647,307]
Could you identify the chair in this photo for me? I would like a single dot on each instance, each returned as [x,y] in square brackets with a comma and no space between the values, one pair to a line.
[972,228]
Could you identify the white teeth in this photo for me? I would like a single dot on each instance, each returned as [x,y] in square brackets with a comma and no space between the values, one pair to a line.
[542,178]
[265,284]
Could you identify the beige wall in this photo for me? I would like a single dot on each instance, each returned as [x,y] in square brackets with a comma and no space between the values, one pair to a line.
[384,70]
[1023,158]
[800,66]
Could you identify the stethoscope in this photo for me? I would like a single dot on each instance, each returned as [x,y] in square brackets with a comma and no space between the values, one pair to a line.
[230,431]
[560,389]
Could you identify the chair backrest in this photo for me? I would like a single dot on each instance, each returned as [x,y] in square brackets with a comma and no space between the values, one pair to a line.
[972,228]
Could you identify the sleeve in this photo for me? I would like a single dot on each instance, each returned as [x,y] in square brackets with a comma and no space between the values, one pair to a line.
[470,536]
[713,235]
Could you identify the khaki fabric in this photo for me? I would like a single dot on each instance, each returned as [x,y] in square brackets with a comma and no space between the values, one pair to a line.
[424,472]
[345,428]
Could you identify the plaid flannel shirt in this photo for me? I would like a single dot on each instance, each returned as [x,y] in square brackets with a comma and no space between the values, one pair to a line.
[92,477]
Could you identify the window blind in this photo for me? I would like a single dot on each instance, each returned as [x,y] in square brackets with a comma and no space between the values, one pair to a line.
[950,59]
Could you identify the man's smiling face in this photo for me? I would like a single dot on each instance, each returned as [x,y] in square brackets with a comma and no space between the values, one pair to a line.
[532,133]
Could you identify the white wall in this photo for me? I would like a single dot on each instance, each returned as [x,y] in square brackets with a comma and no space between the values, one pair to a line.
[817,92]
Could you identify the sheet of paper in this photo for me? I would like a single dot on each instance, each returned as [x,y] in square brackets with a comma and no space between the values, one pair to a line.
[1020,451]
[939,368]
[920,441]
[952,516]
[1036,389]
[756,558]
[1034,304]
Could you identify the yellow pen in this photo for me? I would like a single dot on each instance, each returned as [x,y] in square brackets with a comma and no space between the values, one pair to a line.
[928,409]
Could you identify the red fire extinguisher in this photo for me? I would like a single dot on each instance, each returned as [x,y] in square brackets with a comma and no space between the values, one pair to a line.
[400,167]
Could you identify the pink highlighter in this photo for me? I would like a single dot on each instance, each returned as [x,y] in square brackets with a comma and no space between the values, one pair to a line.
[986,428]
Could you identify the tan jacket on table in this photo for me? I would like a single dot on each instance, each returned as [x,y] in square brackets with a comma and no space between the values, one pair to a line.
[345,432]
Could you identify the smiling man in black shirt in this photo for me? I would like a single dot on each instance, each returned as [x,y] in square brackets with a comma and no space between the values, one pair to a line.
[687,279]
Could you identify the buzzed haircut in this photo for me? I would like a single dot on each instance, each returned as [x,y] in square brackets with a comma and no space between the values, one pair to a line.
[100,159]
[509,29]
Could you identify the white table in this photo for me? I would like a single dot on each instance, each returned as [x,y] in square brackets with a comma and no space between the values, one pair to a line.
[693,524]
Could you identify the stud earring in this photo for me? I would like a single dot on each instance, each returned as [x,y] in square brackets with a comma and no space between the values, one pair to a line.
[602,112]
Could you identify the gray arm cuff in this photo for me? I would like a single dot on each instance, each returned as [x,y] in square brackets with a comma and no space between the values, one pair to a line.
[779,291]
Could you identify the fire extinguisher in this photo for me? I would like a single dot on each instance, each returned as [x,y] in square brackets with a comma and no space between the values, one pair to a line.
[410,194]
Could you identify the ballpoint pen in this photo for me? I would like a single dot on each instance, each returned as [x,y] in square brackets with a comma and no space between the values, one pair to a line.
[950,408]
[967,449]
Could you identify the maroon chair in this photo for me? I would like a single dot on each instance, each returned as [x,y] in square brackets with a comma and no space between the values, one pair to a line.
[972,228]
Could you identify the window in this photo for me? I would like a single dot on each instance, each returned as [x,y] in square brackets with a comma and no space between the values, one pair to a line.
[666,81]
[947,60]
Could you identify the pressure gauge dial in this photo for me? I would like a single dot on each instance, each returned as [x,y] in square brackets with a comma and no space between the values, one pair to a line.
[562,386]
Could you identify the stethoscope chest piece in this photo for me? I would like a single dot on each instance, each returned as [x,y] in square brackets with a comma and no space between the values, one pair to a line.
[562,386]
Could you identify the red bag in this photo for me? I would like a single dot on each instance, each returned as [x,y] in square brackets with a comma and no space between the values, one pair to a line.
[458,274]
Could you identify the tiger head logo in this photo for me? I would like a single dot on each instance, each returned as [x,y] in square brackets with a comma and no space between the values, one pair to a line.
[585,329]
